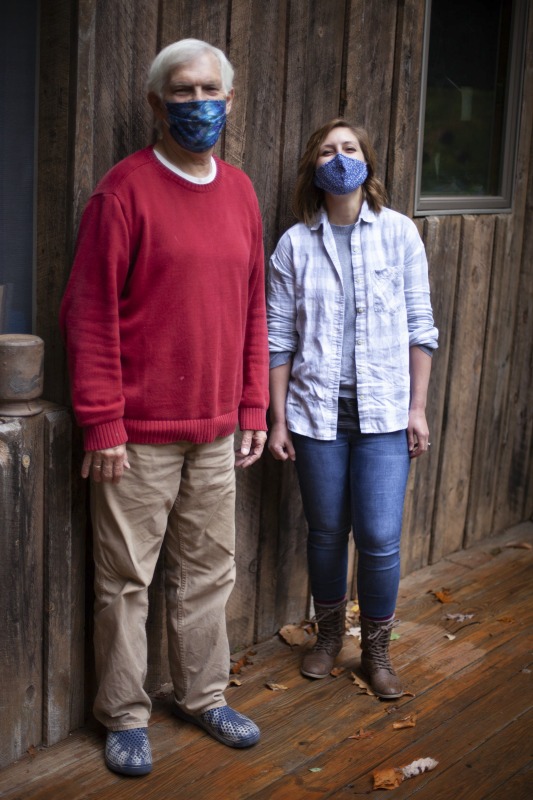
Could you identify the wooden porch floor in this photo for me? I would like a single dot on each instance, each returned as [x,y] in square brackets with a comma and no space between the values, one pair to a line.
[472,696]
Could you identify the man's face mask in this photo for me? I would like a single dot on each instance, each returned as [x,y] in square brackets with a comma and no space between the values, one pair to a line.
[196,124]
[341,174]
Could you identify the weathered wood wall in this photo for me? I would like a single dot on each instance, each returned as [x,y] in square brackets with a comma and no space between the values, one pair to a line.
[298,63]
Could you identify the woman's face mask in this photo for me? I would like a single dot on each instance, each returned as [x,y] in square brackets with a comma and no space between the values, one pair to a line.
[196,124]
[341,174]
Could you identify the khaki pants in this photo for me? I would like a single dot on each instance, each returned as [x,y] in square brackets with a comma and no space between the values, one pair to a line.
[182,495]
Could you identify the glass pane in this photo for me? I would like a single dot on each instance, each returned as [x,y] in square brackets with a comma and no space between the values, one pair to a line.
[469,51]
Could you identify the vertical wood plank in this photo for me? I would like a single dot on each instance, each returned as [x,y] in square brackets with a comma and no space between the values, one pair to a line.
[58,611]
[21,585]
[464,375]
[405,105]
[314,81]
[370,63]
[441,237]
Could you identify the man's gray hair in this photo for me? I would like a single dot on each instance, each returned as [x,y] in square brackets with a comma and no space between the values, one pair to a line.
[180,53]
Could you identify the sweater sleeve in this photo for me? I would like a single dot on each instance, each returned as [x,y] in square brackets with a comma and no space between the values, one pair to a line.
[89,320]
[254,400]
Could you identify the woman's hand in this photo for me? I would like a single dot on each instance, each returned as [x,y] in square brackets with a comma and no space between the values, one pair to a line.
[417,433]
[105,466]
[280,442]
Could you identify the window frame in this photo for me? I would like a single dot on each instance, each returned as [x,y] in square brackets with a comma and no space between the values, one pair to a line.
[429,205]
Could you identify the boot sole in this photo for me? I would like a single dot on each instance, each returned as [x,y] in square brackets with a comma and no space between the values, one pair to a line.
[314,675]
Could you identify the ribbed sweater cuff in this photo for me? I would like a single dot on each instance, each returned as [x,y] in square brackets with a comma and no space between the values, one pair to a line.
[108,434]
[252,419]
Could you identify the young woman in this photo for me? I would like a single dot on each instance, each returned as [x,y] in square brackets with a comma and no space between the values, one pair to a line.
[351,336]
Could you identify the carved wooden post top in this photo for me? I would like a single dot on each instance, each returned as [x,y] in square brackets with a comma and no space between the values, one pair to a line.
[21,374]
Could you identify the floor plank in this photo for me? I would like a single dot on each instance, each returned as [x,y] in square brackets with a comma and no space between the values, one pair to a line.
[472,696]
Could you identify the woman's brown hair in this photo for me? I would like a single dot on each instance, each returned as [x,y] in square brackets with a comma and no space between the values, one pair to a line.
[308,198]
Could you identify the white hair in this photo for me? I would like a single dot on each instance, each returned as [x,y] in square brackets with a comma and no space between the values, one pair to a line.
[180,53]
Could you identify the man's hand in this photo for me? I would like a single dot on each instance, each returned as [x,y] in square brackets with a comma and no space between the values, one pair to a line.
[105,465]
[251,448]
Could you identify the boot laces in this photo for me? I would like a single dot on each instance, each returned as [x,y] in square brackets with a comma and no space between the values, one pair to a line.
[378,646]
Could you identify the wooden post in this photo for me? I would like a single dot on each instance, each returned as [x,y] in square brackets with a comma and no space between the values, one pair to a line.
[37,678]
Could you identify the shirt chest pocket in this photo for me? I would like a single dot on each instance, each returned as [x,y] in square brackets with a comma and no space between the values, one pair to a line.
[387,289]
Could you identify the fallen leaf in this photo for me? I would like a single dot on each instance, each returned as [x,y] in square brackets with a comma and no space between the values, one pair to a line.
[507,620]
[233,681]
[315,769]
[297,634]
[242,662]
[406,722]
[388,778]
[276,687]
[418,767]
[336,671]
[361,734]
[355,631]
[459,617]
[443,596]
[394,636]
[365,689]
[449,636]
[520,545]
[32,751]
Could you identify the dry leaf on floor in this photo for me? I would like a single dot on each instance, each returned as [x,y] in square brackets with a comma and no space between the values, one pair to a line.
[449,636]
[233,681]
[336,671]
[418,767]
[365,689]
[392,777]
[507,620]
[459,617]
[315,769]
[520,545]
[388,778]
[244,661]
[32,751]
[443,596]
[361,734]
[355,631]
[406,722]
[297,634]
[276,687]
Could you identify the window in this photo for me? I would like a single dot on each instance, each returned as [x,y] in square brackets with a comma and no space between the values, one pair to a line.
[472,68]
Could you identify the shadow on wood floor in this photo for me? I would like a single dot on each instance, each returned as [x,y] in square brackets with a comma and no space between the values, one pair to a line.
[471,686]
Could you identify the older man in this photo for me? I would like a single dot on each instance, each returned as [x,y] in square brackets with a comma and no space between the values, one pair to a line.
[164,324]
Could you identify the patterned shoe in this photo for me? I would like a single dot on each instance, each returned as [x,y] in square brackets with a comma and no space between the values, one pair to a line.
[224,724]
[128,752]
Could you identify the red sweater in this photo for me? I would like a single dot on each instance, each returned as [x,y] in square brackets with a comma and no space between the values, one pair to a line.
[164,312]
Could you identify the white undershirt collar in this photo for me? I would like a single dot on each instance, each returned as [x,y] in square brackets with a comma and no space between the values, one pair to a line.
[185,175]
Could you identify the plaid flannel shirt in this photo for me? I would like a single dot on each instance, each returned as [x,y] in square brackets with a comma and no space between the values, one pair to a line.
[305,309]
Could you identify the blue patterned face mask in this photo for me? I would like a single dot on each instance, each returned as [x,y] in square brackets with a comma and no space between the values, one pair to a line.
[341,174]
[196,124]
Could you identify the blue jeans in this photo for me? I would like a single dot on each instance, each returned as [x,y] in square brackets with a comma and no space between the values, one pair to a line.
[358,482]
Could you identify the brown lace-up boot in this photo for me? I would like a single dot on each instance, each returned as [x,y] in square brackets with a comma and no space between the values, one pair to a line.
[319,660]
[375,661]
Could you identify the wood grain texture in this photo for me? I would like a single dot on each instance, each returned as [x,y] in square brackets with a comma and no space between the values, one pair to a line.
[441,237]
[471,699]
[299,63]
[21,585]
[463,382]
[58,612]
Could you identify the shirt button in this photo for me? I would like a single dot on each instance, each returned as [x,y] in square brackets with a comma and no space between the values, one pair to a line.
[360,310]
[359,280]
[359,342]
